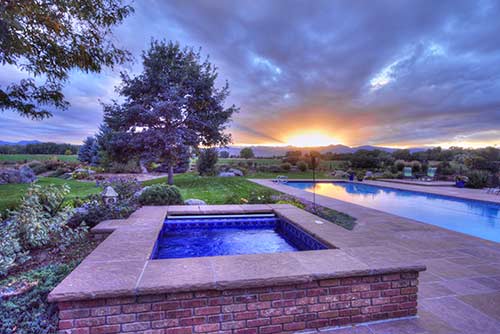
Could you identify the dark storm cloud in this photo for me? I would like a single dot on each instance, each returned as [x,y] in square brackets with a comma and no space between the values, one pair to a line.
[379,72]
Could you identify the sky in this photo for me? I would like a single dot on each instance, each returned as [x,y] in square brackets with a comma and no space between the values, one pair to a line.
[390,73]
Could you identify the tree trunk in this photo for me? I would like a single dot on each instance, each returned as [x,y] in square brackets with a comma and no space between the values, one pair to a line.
[171,175]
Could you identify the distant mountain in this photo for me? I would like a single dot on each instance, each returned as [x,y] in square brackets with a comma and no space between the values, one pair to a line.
[21,142]
[270,151]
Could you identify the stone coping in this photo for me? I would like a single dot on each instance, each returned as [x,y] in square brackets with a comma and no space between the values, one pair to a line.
[121,264]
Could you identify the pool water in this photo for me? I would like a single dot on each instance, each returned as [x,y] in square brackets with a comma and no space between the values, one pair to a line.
[476,218]
[187,236]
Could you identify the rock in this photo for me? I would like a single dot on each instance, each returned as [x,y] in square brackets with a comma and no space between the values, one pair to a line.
[226,174]
[81,211]
[26,175]
[235,171]
[194,201]
[139,192]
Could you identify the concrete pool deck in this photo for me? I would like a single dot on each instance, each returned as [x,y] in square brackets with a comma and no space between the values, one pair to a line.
[460,290]
[118,288]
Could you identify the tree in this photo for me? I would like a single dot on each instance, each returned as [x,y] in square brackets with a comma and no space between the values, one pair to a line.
[49,38]
[292,157]
[207,159]
[171,106]
[89,151]
[224,154]
[246,153]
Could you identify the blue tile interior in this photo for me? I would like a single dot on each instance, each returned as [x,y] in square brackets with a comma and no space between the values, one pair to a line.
[196,236]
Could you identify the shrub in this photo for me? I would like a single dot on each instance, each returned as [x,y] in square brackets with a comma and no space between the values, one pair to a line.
[161,194]
[131,166]
[274,169]
[261,197]
[477,179]
[399,164]
[416,166]
[286,166]
[207,160]
[125,187]
[41,221]
[30,312]
[302,166]
[93,210]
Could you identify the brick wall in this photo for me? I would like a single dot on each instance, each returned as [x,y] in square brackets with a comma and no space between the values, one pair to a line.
[277,309]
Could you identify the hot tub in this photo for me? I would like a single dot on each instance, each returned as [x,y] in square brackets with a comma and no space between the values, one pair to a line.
[218,235]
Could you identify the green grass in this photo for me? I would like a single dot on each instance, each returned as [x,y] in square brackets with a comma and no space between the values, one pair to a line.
[264,161]
[213,190]
[10,194]
[39,157]
[291,175]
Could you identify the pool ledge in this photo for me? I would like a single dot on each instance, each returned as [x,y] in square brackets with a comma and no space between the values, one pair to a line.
[121,266]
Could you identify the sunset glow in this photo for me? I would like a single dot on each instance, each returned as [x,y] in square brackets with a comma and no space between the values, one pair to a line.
[311,139]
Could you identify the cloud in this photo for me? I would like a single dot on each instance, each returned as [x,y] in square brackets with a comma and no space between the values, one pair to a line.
[383,72]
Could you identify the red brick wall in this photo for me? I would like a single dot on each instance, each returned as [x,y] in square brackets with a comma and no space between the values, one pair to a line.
[277,309]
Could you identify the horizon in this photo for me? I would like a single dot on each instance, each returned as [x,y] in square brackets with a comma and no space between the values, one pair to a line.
[421,77]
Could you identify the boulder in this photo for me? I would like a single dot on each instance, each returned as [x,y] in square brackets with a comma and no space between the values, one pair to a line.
[139,192]
[22,175]
[235,171]
[194,201]
[226,174]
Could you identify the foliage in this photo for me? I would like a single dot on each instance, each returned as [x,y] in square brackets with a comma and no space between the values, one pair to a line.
[40,148]
[89,151]
[224,154]
[171,106]
[161,194]
[292,157]
[286,166]
[40,221]
[30,312]
[131,166]
[125,187]
[52,39]
[477,179]
[246,153]
[207,159]
[93,210]
[302,166]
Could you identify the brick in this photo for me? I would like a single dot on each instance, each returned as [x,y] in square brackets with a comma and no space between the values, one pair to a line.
[246,315]
[338,290]
[370,279]
[74,314]
[207,310]
[294,310]
[193,303]
[409,275]
[246,331]
[90,322]
[270,329]
[409,291]
[165,306]
[192,321]
[350,280]
[317,307]
[317,292]
[350,296]
[106,310]
[380,316]
[306,317]
[136,308]
[340,305]
[233,325]
[380,301]
[258,306]
[306,300]
[390,293]
[270,296]
[318,323]
[220,318]
[80,331]
[205,294]
[340,321]
[360,287]
[245,299]
[89,303]
[165,323]
[106,329]
[360,318]
[372,294]
[234,308]
[205,328]
[391,277]
[180,330]
[150,298]
[65,324]
[271,312]
[309,285]
[330,282]
[400,299]
[390,307]
[258,322]
[348,312]
[179,313]
[282,319]
[408,305]
[371,309]
[328,314]
[400,284]
[360,303]
[220,301]
[136,326]
[294,326]
[282,303]
[120,300]
[294,294]
[150,316]
[380,286]
[120,319]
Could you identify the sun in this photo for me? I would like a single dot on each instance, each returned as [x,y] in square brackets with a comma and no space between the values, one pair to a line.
[311,139]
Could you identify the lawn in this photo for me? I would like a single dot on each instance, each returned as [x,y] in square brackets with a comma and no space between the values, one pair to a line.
[291,175]
[10,194]
[39,157]
[213,190]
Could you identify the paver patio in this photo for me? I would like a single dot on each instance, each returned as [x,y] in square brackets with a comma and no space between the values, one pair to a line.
[459,292]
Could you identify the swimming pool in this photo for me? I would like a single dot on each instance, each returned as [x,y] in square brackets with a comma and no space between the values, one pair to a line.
[217,235]
[480,219]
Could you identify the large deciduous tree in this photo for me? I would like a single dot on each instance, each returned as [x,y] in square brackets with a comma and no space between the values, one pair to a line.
[172,105]
[47,39]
